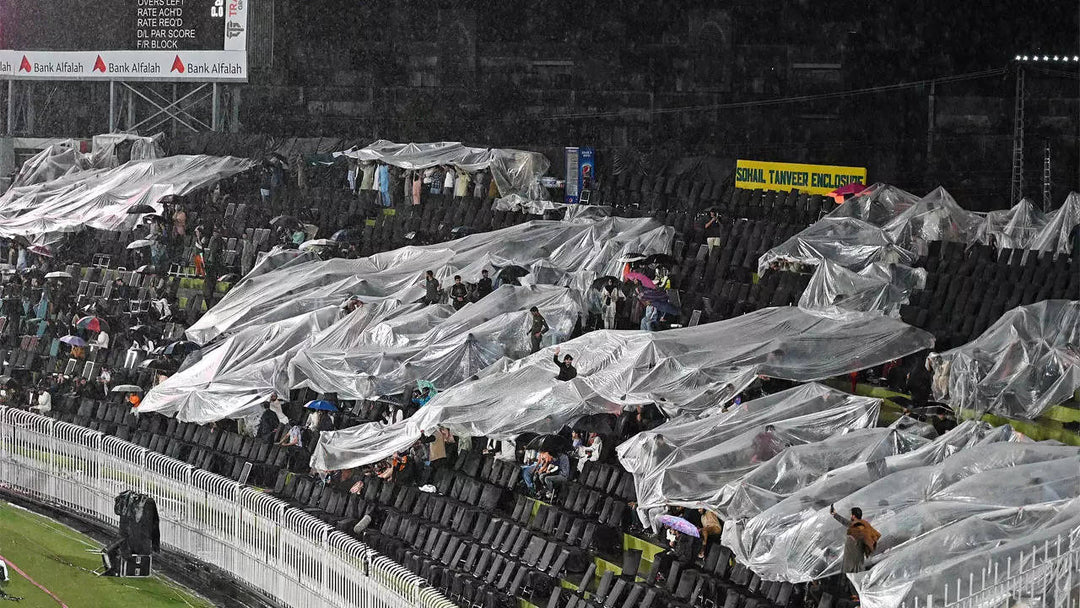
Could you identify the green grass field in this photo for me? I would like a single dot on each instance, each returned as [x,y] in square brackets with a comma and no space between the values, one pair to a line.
[56,557]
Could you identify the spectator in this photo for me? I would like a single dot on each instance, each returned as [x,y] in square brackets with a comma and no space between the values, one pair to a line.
[611,296]
[943,423]
[557,474]
[247,254]
[459,294]
[294,437]
[766,445]
[432,288]
[710,526]
[538,329]
[649,319]
[448,182]
[41,402]
[712,230]
[101,340]
[268,423]
[567,371]
[860,541]
[529,472]
[589,451]
[483,286]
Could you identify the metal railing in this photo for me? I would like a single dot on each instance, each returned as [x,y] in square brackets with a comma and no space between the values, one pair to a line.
[259,540]
[1045,574]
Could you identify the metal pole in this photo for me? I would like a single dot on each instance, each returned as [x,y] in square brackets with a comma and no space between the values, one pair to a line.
[215,101]
[112,106]
[11,107]
[930,131]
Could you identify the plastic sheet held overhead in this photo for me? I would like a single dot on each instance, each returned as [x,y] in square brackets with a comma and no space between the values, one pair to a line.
[848,242]
[878,289]
[53,162]
[232,378]
[1024,363]
[800,465]
[1060,232]
[760,533]
[935,217]
[100,198]
[918,501]
[689,370]
[371,354]
[877,205]
[995,545]
[693,465]
[579,246]
[1013,228]
[514,171]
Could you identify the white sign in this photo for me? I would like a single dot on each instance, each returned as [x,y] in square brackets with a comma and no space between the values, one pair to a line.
[205,66]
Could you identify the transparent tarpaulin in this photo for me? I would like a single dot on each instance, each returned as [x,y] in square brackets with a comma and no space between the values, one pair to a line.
[800,465]
[1059,233]
[878,289]
[1024,363]
[848,242]
[514,171]
[100,198]
[1014,544]
[51,163]
[935,217]
[689,370]
[905,504]
[695,471]
[364,357]
[878,205]
[1013,228]
[233,377]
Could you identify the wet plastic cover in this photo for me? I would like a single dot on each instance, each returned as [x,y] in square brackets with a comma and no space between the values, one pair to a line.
[514,171]
[1013,228]
[878,289]
[935,217]
[689,370]
[797,540]
[100,198]
[848,242]
[1024,363]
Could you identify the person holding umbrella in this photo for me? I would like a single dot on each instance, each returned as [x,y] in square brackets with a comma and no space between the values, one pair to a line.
[611,295]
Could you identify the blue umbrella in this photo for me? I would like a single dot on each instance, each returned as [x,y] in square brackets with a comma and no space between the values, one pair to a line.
[321,405]
[73,340]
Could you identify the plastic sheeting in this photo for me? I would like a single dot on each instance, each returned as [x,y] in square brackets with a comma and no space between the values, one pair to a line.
[373,353]
[1059,233]
[1006,539]
[847,242]
[581,247]
[100,198]
[878,289]
[233,377]
[903,504]
[514,171]
[935,217]
[877,205]
[689,462]
[1024,363]
[51,163]
[104,148]
[689,370]
[800,465]
[1013,228]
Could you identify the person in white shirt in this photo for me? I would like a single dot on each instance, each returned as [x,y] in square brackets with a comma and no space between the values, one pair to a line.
[102,339]
[275,406]
[589,451]
[44,403]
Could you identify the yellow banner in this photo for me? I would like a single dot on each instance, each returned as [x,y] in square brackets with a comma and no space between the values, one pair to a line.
[812,179]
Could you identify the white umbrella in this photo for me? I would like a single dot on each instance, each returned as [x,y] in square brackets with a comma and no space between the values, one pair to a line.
[127,388]
[318,243]
[139,244]
[60,274]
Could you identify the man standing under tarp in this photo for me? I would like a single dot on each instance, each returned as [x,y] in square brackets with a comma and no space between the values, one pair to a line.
[538,329]
[860,541]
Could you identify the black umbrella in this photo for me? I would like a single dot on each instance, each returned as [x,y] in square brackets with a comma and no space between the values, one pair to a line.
[603,281]
[601,424]
[511,274]
[283,220]
[662,259]
[141,208]
[5,380]
[550,443]
[161,363]
[348,235]
[181,348]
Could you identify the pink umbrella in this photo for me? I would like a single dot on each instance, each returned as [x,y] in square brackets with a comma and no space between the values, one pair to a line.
[630,275]
[842,193]
[679,525]
[40,250]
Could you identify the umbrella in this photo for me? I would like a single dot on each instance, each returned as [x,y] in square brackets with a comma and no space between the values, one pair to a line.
[645,281]
[662,259]
[127,388]
[850,189]
[141,208]
[146,269]
[60,274]
[602,281]
[550,443]
[92,324]
[181,347]
[285,219]
[139,244]
[679,525]
[5,380]
[632,257]
[40,250]
[73,340]
[162,363]
[317,243]
[321,405]
[511,274]
[139,329]
[428,384]
[348,235]
[152,217]
[232,277]
[601,424]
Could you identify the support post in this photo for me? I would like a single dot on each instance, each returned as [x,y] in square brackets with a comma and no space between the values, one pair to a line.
[112,106]
[930,130]
[215,112]
[11,107]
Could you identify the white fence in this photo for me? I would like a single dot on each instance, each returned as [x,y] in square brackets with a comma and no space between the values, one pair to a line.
[280,551]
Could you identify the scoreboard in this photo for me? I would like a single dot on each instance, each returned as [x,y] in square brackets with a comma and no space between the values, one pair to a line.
[163,40]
